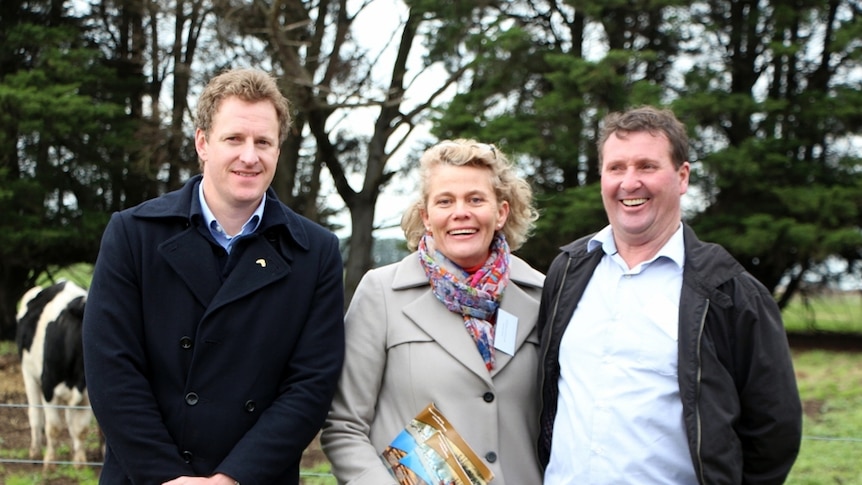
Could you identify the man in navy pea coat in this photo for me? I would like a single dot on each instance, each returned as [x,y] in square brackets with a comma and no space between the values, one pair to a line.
[213,333]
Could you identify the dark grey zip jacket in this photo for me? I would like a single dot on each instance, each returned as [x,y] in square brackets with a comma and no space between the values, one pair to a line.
[741,406]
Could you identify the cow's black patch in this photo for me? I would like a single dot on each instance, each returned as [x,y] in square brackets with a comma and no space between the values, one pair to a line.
[26,330]
[64,351]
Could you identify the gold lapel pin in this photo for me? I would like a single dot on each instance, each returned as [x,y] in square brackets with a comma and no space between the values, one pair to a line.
[261,262]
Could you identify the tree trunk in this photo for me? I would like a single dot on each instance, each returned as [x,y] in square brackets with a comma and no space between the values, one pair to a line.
[359,259]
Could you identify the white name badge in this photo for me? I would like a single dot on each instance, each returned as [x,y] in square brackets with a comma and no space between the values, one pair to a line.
[505,332]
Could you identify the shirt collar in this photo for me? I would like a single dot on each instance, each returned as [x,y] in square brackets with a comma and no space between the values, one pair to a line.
[673,249]
[215,228]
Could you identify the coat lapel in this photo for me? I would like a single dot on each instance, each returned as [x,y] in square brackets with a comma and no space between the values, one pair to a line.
[259,265]
[525,308]
[447,329]
[190,255]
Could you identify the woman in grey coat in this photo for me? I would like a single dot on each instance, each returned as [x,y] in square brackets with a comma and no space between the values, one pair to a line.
[451,324]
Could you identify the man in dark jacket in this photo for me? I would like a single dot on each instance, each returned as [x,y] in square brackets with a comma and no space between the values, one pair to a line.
[213,334]
[663,360]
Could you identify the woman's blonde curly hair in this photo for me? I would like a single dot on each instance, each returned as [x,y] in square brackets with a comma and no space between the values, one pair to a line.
[508,186]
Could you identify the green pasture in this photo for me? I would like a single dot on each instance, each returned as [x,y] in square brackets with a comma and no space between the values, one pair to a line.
[830,384]
[833,312]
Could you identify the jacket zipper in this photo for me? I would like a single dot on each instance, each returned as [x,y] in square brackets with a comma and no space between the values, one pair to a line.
[542,363]
[560,292]
[699,438]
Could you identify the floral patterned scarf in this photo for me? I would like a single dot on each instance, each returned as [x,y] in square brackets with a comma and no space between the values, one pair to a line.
[473,296]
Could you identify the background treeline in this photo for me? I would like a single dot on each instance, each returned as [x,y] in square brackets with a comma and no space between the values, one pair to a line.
[96,99]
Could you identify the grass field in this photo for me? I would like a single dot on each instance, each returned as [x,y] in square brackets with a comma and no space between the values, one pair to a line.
[830,384]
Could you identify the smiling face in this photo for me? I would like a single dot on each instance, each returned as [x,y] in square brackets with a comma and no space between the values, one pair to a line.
[641,188]
[239,155]
[462,212]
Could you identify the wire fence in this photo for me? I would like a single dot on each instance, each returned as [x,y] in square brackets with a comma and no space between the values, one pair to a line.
[305,474]
[5,460]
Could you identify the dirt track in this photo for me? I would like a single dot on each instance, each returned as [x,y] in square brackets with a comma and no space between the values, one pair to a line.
[827,341]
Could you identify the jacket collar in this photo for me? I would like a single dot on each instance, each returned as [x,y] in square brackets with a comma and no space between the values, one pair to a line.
[699,256]
[184,204]
[708,265]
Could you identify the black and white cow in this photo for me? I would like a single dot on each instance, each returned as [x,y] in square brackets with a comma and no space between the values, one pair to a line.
[52,362]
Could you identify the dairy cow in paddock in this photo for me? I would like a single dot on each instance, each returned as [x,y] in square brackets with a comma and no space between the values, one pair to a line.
[52,362]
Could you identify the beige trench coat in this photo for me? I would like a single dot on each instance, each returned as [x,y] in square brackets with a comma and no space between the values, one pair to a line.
[405,350]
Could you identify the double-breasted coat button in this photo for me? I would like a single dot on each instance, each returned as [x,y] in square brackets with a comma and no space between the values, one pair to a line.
[491,457]
[250,405]
[186,342]
[191,398]
[187,456]
[488,396]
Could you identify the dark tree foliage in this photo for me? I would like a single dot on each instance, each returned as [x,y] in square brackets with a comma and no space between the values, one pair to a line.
[782,179]
[769,90]
[95,110]
[62,124]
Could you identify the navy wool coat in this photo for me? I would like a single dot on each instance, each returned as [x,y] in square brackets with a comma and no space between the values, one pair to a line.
[197,362]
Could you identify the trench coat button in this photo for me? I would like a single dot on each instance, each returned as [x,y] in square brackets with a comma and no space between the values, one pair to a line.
[250,405]
[488,396]
[191,398]
[491,457]
[186,342]
[187,456]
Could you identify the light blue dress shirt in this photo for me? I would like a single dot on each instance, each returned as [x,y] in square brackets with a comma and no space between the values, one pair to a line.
[619,415]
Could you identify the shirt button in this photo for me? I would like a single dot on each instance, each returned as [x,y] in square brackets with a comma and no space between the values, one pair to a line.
[191,398]
[491,457]
[249,406]
[187,456]
[488,396]
[186,342]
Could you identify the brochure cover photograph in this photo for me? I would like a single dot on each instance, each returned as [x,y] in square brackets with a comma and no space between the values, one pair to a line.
[429,451]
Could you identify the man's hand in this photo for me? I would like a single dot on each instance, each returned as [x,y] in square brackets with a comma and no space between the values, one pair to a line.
[217,479]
